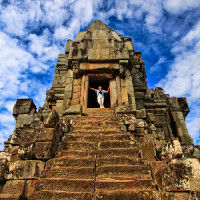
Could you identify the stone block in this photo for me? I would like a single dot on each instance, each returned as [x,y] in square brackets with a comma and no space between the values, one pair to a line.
[159,144]
[150,117]
[125,109]
[195,184]
[28,120]
[141,114]
[59,106]
[23,106]
[124,95]
[184,106]
[75,102]
[177,115]
[139,95]
[187,149]
[147,148]
[178,175]
[30,188]
[77,89]
[131,127]
[139,131]
[28,135]
[192,169]
[160,111]
[178,196]
[196,153]
[95,54]
[25,151]
[74,110]
[76,95]
[173,178]
[139,104]
[152,127]
[43,150]
[140,123]
[53,121]
[14,187]
[24,169]
[68,45]
[171,150]
[59,96]
[3,166]
[159,119]
[58,81]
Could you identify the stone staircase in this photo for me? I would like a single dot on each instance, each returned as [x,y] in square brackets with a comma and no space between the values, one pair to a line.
[98,160]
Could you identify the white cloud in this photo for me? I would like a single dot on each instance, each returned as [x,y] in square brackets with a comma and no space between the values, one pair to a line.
[178,6]
[158,64]
[9,105]
[14,20]
[25,20]
[184,77]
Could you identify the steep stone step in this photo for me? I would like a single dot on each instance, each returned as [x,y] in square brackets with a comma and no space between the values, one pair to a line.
[95,119]
[70,173]
[111,184]
[127,195]
[80,145]
[76,153]
[116,144]
[69,162]
[97,123]
[99,110]
[11,197]
[123,172]
[95,138]
[98,129]
[100,113]
[131,152]
[119,160]
[69,185]
[62,195]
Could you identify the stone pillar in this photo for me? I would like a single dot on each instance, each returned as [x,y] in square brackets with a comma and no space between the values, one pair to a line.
[119,97]
[179,121]
[124,93]
[113,94]
[84,91]
[67,91]
[76,92]
[130,89]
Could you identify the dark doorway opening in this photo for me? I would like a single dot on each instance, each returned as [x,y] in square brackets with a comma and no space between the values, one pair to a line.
[92,97]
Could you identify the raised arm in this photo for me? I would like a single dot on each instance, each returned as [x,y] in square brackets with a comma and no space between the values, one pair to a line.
[91,88]
[108,90]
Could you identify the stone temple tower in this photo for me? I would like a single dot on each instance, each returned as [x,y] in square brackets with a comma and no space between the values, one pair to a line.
[137,147]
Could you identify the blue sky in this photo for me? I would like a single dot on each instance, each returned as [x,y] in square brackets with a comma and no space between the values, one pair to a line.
[33,33]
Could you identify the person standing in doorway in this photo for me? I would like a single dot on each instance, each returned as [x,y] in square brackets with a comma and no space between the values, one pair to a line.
[100,95]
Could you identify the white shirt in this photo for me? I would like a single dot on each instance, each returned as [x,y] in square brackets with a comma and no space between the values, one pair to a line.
[100,93]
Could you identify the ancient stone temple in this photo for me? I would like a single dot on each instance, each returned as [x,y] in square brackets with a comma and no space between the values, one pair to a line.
[137,147]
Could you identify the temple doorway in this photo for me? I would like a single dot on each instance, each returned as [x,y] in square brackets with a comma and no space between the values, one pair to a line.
[92,97]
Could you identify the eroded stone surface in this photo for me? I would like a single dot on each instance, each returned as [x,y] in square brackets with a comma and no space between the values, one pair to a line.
[24,169]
